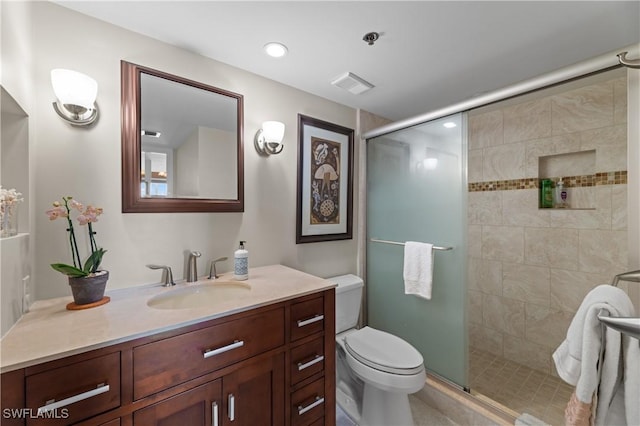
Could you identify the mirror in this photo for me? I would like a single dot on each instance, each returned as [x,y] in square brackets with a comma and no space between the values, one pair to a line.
[182,144]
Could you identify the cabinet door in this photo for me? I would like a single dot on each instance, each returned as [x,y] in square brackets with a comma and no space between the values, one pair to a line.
[254,395]
[197,407]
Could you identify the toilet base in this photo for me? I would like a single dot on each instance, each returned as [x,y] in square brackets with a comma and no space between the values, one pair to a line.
[382,408]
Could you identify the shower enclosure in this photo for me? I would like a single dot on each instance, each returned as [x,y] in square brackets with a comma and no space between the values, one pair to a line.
[416,191]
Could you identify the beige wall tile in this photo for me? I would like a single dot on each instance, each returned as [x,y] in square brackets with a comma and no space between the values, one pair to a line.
[474,241]
[582,198]
[486,339]
[503,314]
[475,307]
[474,166]
[526,283]
[546,326]
[520,208]
[530,120]
[568,288]
[504,162]
[554,247]
[620,100]
[485,130]
[503,243]
[485,276]
[603,252]
[527,353]
[485,208]
[619,207]
[534,149]
[582,109]
[610,144]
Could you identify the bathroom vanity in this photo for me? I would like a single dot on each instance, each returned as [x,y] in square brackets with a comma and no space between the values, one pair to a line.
[266,358]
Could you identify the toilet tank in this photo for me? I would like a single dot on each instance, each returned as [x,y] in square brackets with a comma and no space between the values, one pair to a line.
[348,301]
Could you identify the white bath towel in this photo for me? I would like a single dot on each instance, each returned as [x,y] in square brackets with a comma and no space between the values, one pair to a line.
[577,357]
[418,269]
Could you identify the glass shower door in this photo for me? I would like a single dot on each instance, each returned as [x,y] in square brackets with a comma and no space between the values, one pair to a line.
[416,191]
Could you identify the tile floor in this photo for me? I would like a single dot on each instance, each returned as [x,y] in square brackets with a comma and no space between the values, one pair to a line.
[423,415]
[518,387]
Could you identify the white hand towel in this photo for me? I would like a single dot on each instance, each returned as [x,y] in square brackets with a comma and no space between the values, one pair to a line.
[418,269]
[577,358]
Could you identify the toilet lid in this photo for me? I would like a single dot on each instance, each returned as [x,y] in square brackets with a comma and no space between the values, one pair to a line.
[383,351]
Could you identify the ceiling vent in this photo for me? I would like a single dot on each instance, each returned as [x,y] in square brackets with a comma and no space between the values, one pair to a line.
[352,83]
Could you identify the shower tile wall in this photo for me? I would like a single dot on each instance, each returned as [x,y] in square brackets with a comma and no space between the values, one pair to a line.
[530,268]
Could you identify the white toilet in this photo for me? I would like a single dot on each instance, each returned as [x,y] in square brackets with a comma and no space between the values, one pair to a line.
[376,371]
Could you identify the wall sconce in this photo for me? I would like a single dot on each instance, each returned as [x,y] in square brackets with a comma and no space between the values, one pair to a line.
[268,139]
[76,95]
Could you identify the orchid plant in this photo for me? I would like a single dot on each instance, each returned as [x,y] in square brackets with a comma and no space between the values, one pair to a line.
[87,216]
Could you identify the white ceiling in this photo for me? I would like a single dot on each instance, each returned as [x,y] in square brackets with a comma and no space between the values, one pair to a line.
[431,54]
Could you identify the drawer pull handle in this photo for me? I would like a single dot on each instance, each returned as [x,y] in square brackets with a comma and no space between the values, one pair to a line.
[314,404]
[315,360]
[234,345]
[302,323]
[214,414]
[53,404]
[232,407]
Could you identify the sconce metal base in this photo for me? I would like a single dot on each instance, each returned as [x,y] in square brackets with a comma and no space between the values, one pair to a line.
[76,115]
[266,148]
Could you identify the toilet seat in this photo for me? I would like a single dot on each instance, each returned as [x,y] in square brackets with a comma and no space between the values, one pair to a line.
[384,352]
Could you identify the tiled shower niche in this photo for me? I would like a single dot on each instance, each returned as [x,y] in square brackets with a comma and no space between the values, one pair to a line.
[577,172]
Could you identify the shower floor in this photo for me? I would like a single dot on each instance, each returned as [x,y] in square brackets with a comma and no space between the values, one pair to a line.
[518,387]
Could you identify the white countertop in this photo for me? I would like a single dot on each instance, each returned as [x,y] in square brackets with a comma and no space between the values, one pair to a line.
[49,331]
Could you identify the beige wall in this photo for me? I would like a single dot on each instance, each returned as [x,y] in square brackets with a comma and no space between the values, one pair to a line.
[85,162]
[530,268]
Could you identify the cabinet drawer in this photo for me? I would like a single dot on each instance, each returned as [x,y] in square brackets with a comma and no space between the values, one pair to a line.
[307,360]
[307,404]
[160,365]
[76,391]
[307,318]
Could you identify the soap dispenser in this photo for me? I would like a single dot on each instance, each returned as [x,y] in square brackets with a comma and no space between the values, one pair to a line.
[241,263]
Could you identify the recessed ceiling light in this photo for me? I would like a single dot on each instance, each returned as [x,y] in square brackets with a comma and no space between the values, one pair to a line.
[449,124]
[275,50]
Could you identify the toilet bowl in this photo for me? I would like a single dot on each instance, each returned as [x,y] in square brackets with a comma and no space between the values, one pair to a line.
[376,371]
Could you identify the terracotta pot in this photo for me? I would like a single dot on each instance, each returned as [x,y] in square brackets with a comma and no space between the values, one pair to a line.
[89,289]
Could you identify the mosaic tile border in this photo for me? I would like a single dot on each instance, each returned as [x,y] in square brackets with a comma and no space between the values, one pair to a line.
[598,179]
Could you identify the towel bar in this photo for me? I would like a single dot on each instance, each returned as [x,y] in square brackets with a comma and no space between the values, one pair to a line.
[375,240]
[626,325]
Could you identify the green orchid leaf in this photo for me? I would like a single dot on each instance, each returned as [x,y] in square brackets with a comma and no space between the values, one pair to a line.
[69,270]
[93,262]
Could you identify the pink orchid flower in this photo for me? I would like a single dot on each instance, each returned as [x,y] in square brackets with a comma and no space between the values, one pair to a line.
[56,212]
[75,205]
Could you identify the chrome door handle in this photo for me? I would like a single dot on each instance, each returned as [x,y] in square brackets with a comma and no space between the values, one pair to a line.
[232,407]
[53,404]
[315,360]
[234,345]
[318,317]
[319,400]
[214,413]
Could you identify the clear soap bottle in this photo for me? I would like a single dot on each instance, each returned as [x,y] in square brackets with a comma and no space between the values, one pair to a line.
[241,263]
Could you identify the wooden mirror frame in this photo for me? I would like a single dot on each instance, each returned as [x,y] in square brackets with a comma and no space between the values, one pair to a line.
[132,201]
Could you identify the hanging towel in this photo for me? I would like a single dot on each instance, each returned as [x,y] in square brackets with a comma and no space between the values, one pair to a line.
[577,359]
[418,269]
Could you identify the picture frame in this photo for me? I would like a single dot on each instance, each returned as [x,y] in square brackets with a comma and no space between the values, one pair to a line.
[325,181]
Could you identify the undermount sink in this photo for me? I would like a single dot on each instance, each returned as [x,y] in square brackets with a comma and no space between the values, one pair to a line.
[199,295]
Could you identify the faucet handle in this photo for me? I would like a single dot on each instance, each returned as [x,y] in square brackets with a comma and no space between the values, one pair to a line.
[212,267]
[166,273]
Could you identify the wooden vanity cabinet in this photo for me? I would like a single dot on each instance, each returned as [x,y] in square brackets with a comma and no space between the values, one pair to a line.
[283,373]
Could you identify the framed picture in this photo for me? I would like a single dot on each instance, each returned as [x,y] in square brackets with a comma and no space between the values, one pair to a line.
[325,181]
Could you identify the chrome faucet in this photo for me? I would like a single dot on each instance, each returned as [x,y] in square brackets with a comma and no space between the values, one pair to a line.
[192,267]
[166,273]
[212,267]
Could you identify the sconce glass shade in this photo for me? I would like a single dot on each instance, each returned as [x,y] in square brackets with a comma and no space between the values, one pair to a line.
[268,139]
[76,95]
